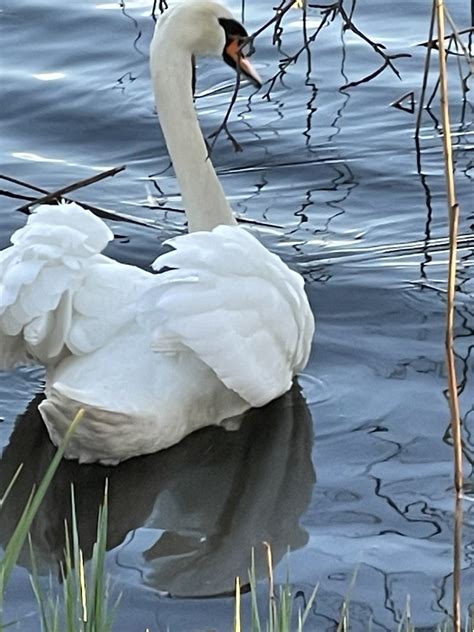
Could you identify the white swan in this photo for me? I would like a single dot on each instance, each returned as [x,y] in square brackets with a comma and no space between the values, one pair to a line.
[152,357]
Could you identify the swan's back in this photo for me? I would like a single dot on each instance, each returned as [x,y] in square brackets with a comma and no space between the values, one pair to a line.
[237,306]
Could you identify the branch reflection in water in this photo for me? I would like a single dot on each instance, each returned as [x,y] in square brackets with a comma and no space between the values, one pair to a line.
[211,498]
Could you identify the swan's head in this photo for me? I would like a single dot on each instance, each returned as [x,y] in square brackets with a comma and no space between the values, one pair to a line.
[207,28]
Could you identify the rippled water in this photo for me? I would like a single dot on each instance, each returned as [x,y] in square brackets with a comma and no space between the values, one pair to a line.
[353,471]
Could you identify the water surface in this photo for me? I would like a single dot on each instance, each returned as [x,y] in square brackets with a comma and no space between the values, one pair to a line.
[351,470]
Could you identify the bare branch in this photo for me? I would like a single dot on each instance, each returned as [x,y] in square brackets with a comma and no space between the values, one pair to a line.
[223,127]
[72,187]
[162,6]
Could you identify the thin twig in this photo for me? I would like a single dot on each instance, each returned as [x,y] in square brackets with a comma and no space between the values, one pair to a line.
[223,127]
[457,36]
[406,102]
[424,85]
[100,212]
[22,183]
[73,187]
[162,5]
[114,215]
[377,47]
[238,219]
[103,213]
[277,17]
[387,63]
[329,12]
[16,196]
[257,222]
[447,50]
[434,42]
[292,59]
[453,209]
[306,42]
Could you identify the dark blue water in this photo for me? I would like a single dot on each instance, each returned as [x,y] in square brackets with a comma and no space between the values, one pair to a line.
[352,473]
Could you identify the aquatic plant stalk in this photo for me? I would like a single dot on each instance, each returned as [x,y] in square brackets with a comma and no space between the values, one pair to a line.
[237,626]
[453,209]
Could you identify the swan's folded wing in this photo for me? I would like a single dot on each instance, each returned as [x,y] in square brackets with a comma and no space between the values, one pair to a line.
[237,306]
[39,274]
[104,303]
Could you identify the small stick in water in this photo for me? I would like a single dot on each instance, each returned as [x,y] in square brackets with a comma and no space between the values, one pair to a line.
[73,187]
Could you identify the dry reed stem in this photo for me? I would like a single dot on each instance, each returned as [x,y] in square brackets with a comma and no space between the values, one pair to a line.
[457,552]
[271,589]
[453,208]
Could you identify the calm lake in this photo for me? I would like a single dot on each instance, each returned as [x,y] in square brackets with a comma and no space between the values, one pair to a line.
[351,471]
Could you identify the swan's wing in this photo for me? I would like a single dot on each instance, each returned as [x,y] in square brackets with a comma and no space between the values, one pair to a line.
[237,306]
[105,301]
[39,277]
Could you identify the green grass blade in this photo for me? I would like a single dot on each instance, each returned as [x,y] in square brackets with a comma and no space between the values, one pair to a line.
[256,625]
[10,485]
[69,584]
[20,534]
[98,588]
[39,596]
[309,605]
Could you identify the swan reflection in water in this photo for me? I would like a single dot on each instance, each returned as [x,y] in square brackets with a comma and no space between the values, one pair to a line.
[212,497]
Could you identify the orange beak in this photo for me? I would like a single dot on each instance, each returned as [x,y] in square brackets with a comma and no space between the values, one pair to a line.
[241,62]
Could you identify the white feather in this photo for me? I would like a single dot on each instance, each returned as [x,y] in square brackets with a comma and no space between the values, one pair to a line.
[50,258]
[152,357]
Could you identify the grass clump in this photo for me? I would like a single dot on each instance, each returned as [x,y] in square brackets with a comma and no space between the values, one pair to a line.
[278,612]
[279,615]
[20,534]
[84,605]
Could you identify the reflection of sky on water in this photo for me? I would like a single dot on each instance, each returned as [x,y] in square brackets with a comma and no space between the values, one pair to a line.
[362,216]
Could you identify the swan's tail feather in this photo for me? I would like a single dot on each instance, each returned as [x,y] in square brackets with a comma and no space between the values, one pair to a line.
[38,276]
[96,438]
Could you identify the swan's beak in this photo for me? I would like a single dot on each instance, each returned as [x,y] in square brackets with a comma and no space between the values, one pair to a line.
[234,56]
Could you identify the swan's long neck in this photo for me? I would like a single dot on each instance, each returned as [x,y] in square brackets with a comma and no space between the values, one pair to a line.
[203,197]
